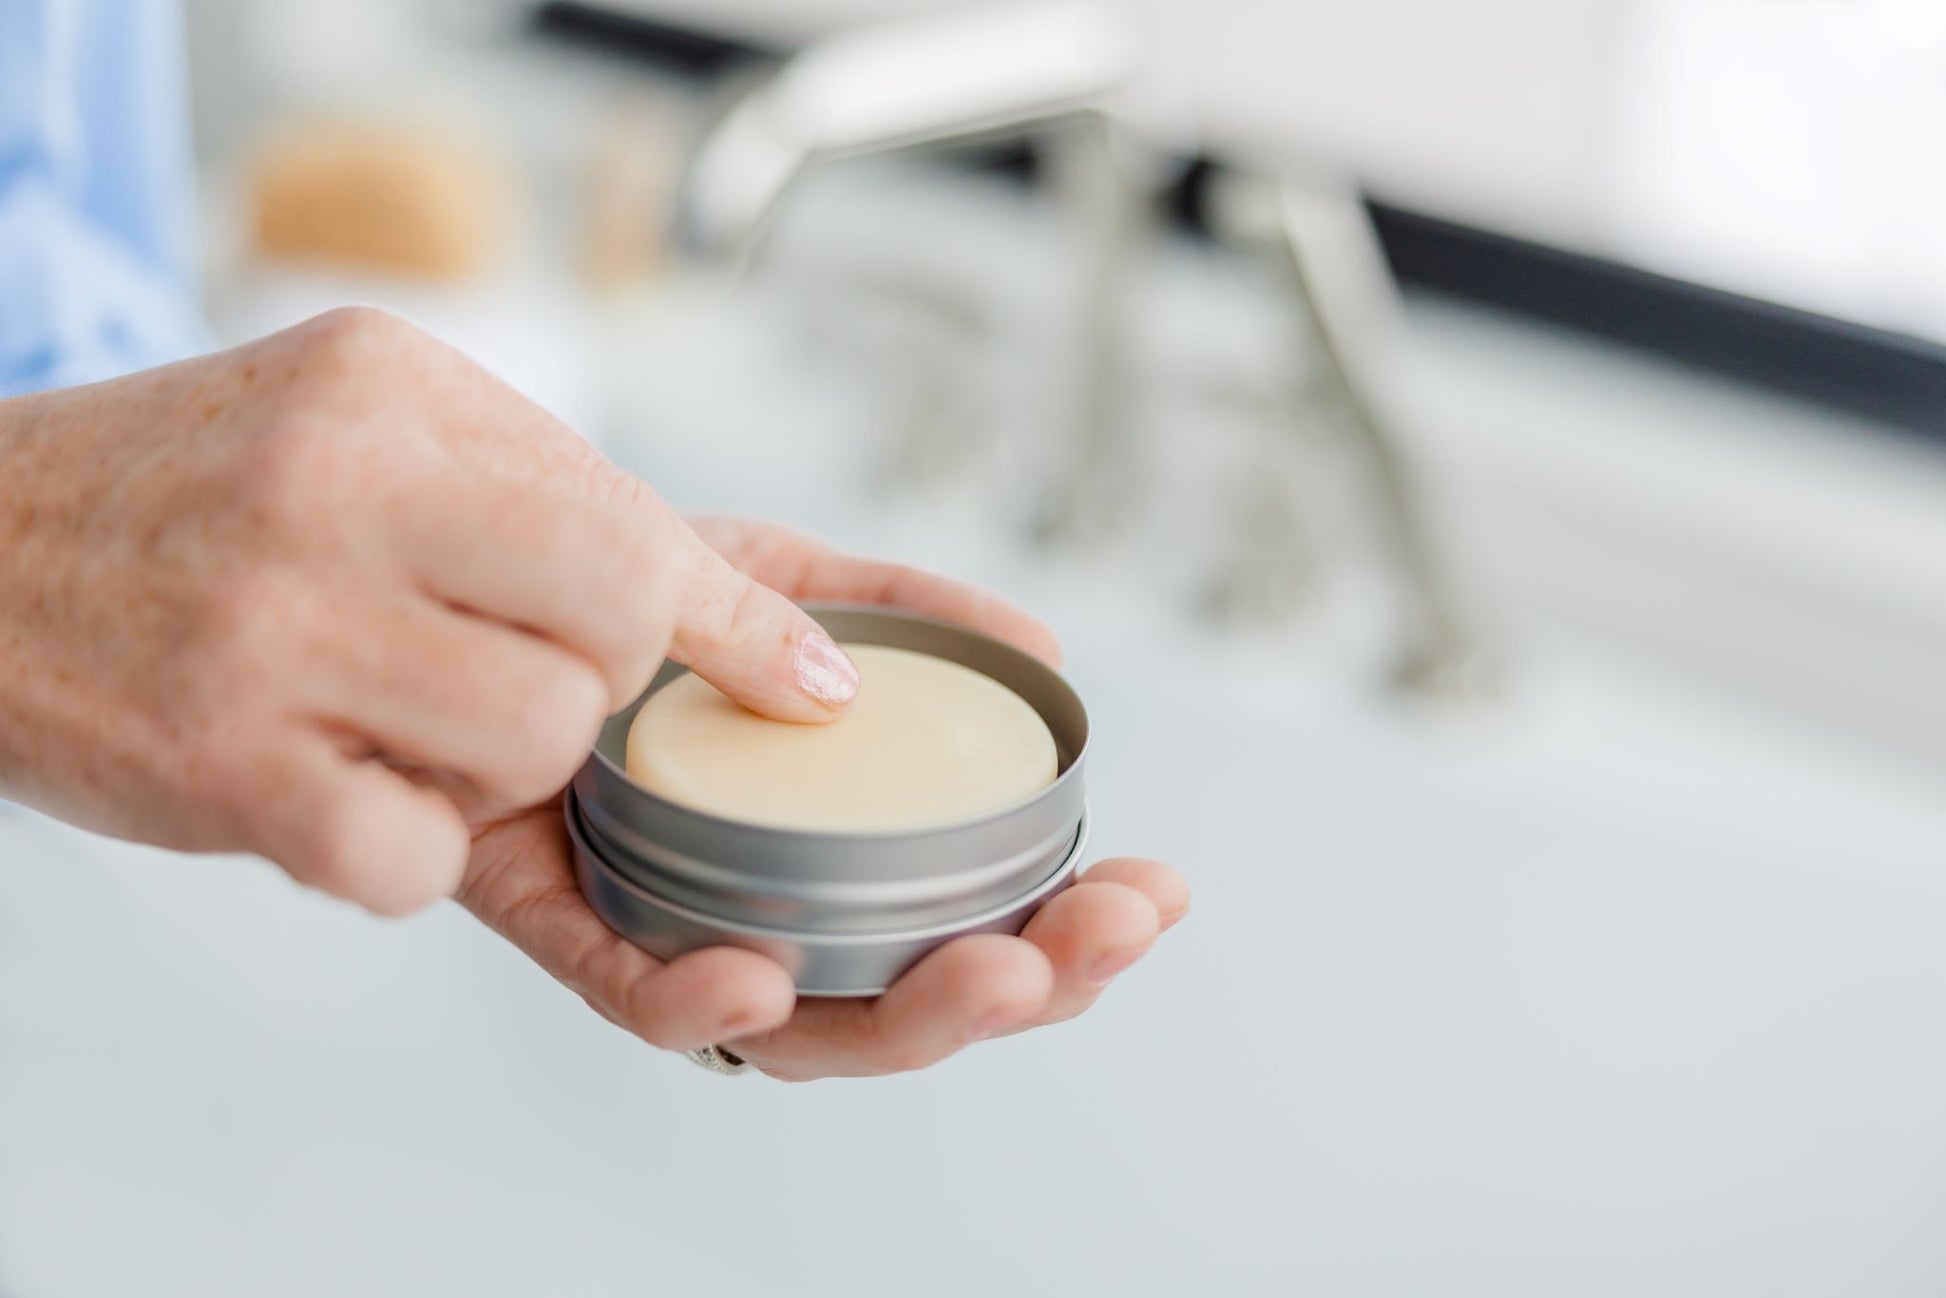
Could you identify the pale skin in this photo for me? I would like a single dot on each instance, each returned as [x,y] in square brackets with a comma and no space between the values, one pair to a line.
[341,599]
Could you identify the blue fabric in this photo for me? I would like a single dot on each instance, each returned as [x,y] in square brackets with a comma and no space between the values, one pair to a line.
[97,200]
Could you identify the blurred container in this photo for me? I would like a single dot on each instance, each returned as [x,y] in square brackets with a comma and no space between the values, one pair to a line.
[417,201]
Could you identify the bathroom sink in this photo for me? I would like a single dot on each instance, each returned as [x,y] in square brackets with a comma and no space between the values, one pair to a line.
[1612,990]
[1613,986]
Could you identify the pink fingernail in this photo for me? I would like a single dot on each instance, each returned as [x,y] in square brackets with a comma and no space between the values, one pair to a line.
[824,671]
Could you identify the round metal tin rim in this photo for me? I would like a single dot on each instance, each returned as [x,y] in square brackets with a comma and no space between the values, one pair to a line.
[947,928]
[1071,761]
[847,904]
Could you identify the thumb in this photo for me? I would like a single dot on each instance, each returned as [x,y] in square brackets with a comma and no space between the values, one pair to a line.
[755,645]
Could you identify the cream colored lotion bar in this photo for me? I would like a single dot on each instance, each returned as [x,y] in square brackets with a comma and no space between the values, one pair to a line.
[925,742]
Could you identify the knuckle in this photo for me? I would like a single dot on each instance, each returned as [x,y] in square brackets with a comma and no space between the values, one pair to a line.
[624,491]
[628,570]
[642,626]
[723,612]
[334,358]
[652,552]
[355,334]
[753,611]
[654,587]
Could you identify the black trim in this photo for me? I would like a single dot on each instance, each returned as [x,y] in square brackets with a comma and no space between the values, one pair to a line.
[677,49]
[1896,378]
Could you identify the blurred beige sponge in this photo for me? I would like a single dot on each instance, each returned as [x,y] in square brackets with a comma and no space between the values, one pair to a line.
[398,200]
[925,742]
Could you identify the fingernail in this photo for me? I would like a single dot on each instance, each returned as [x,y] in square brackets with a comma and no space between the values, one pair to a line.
[824,671]
[1104,970]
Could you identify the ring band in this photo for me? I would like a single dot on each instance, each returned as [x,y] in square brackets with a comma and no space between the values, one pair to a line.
[717,1060]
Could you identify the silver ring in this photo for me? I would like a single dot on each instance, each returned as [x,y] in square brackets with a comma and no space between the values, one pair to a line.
[717,1060]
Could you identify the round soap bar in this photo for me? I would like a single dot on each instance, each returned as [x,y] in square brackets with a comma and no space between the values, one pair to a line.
[925,742]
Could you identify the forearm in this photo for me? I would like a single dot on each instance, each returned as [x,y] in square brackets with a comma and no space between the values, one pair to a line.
[22,692]
[62,742]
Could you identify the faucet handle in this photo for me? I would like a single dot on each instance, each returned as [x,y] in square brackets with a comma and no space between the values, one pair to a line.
[895,85]
[1315,231]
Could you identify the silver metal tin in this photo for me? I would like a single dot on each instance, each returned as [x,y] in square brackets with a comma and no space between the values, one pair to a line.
[845,913]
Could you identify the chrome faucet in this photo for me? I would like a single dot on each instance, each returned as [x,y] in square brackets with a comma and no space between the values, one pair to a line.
[1317,234]
[1068,71]
[1058,71]
[920,81]
[1346,289]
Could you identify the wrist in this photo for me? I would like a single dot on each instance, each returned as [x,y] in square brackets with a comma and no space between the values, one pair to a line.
[36,689]
[15,520]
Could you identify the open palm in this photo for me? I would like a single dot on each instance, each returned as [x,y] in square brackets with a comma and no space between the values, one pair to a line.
[520,881]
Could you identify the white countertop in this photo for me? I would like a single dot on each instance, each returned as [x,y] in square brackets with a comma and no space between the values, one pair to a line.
[1617,991]
[1621,987]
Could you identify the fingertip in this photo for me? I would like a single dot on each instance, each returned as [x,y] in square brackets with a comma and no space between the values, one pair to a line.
[1093,918]
[761,649]
[1007,621]
[1017,984]
[986,982]
[763,995]
[709,996]
[999,962]
[1038,639]
[1166,890]
[821,670]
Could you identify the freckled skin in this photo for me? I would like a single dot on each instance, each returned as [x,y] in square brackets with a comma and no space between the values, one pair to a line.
[206,567]
[110,569]
[340,598]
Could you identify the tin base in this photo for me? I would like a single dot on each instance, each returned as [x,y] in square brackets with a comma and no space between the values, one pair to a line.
[822,964]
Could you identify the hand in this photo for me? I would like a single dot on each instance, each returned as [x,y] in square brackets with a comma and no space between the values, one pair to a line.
[340,598]
[337,596]
[521,882]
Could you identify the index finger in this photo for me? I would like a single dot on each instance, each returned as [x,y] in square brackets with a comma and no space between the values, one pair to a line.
[579,550]
[609,570]
[580,573]
[734,631]
[808,569]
